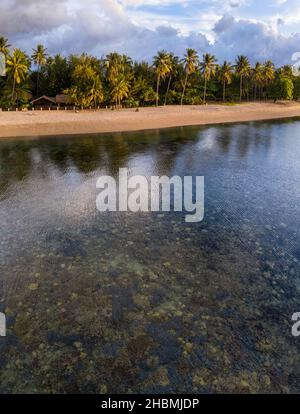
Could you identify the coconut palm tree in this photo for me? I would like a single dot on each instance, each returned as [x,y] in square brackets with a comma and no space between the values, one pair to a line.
[115,65]
[120,90]
[83,70]
[173,70]
[258,78]
[269,70]
[4,51]
[162,65]
[4,46]
[87,89]
[268,73]
[225,75]
[96,92]
[39,58]
[287,71]
[191,63]
[208,69]
[119,76]
[242,70]
[17,69]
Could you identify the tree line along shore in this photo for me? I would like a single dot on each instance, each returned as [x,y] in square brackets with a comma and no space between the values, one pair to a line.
[117,81]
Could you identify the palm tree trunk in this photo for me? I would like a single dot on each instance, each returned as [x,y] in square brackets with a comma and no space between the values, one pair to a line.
[224,91]
[205,86]
[184,88]
[167,94]
[13,91]
[38,81]
[157,90]
[241,88]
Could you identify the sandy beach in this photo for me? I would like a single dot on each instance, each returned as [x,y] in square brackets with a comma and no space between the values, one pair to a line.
[43,123]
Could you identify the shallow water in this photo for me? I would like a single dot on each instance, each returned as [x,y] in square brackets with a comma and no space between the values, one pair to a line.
[130,303]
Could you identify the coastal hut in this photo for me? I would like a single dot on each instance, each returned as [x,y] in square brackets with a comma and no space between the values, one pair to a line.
[44,102]
[62,101]
[47,102]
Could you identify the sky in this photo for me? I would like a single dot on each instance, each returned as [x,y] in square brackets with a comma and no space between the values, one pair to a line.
[261,29]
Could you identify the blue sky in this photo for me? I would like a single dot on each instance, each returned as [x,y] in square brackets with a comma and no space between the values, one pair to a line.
[262,29]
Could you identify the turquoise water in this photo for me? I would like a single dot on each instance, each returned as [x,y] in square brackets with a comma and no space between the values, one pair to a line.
[131,303]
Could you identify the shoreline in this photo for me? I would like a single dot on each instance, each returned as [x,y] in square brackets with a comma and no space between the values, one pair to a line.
[49,123]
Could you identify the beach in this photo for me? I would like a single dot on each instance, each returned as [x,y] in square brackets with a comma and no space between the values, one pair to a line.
[44,123]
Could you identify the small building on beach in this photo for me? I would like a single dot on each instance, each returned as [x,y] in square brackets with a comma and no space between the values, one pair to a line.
[47,102]
[62,101]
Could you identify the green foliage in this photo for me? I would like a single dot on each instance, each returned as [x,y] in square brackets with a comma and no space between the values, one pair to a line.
[18,65]
[116,80]
[296,83]
[297,88]
[174,98]
[191,64]
[120,89]
[163,68]
[208,69]
[56,75]
[39,58]
[131,103]
[281,88]
[142,92]
[86,89]
[193,97]
[225,74]
[4,46]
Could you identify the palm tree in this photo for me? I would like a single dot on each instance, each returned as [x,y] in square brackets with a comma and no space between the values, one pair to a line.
[268,72]
[119,76]
[96,92]
[120,90]
[258,78]
[242,70]
[83,70]
[162,64]
[116,65]
[191,63]
[39,57]
[113,64]
[173,71]
[87,89]
[4,46]
[17,69]
[225,75]
[287,71]
[208,69]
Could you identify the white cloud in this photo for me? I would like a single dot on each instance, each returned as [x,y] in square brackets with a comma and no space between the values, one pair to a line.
[140,28]
[256,39]
[32,16]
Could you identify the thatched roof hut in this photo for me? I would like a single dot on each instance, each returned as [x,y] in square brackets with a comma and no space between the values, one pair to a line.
[50,102]
[62,99]
[44,101]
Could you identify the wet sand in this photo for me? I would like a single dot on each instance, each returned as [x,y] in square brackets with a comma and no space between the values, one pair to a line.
[43,123]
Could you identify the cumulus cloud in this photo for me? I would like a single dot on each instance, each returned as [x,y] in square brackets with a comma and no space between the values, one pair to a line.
[101,26]
[224,23]
[31,16]
[255,39]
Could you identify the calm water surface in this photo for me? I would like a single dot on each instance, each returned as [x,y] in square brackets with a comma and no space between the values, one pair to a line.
[129,303]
